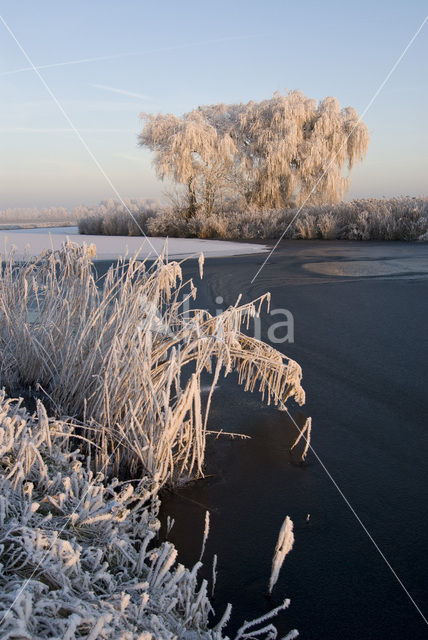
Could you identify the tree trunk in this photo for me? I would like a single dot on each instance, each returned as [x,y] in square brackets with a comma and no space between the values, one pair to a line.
[192,202]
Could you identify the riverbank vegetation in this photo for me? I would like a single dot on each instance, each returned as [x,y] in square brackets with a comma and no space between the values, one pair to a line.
[403,218]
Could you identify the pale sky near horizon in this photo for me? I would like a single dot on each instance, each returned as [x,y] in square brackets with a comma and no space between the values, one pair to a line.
[171,56]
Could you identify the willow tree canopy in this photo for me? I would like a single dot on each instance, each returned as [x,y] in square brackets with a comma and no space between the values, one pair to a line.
[274,153]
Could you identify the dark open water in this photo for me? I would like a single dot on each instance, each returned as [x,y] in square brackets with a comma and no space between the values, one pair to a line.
[362,341]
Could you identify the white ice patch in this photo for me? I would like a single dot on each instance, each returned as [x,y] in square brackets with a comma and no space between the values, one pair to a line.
[33,241]
[369,268]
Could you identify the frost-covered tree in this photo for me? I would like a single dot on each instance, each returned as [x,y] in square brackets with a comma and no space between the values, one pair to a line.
[273,153]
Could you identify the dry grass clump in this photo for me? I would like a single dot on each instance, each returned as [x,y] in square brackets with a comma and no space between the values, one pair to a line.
[123,354]
[401,218]
[79,556]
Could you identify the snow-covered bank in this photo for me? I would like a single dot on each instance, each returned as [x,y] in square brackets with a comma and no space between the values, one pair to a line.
[33,242]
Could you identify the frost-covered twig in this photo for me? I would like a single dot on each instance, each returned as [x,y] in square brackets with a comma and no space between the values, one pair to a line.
[206,533]
[246,632]
[306,429]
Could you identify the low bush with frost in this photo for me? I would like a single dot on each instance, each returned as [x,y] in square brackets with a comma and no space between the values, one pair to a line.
[79,557]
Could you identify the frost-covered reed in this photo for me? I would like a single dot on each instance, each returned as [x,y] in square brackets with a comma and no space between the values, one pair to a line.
[305,433]
[79,556]
[283,547]
[79,553]
[122,357]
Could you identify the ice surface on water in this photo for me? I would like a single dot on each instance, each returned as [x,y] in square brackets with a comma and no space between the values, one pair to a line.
[112,247]
[362,268]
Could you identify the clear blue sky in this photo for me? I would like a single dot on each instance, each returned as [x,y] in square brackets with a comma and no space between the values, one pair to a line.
[179,54]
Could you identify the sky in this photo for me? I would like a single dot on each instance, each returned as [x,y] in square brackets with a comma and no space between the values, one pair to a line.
[106,62]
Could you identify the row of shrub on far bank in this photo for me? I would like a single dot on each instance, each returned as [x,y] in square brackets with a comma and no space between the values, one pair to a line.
[401,218]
